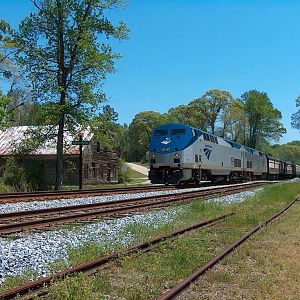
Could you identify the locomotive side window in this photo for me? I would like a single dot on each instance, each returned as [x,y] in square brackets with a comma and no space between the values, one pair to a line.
[249,164]
[179,131]
[206,136]
[160,132]
[237,163]
[196,158]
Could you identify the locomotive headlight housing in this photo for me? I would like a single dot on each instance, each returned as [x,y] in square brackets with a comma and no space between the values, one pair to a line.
[176,154]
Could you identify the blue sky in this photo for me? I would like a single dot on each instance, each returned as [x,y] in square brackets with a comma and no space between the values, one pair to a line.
[180,49]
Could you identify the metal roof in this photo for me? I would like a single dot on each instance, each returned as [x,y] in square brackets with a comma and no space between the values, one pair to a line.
[12,138]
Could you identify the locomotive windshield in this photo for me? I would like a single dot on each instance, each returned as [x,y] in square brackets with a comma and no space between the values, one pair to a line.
[178,131]
[160,132]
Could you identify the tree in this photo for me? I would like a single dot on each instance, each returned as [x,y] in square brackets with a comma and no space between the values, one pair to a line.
[234,122]
[296,116]
[188,115]
[4,112]
[263,118]
[140,130]
[211,105]
[6,48]
[63,51]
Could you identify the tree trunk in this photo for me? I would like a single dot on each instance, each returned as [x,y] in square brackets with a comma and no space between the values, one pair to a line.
[59,154]
[62,75]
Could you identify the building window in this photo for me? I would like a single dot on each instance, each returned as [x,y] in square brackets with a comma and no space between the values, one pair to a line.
[86,171]
[93,170]
[101,173]
[98,147]
[114,172]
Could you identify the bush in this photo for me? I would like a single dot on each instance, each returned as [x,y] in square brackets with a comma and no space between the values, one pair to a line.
[15,175]
[122,172]
[20,178]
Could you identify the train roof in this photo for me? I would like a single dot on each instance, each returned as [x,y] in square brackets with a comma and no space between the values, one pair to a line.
[232,143]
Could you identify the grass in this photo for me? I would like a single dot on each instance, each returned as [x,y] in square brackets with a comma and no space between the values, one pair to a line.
[142,276]
[11,282]
[267,266]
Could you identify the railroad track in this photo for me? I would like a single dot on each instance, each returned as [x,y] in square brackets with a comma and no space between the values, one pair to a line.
[39,287]
[176,290]
[39,219]
[48,195]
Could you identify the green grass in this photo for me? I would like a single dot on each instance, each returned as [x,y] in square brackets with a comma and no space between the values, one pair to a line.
[11,282]
[141,276]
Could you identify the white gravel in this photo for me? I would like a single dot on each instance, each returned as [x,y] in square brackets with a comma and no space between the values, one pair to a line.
[36,251]
[235,198]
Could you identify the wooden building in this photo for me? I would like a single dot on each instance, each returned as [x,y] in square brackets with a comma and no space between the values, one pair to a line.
[100,165]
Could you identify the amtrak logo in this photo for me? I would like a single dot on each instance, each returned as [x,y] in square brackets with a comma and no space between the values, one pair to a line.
[166,141]
[207,152]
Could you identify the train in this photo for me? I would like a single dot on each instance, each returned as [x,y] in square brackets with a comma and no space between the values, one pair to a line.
[180,154]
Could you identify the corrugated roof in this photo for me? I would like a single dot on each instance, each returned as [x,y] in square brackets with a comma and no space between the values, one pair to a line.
[11,139]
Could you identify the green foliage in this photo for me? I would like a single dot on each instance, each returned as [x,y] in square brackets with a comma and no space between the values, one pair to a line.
[4,114]
[263,118]
[63,51]
[15,175]
[210,107]
[185,114]
[140,130]
[287,152]
[296,116]
[123,171]
[62,44]
[25,177]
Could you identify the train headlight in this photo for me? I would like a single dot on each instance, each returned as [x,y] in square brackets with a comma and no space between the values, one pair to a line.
[176,154]
[153,155]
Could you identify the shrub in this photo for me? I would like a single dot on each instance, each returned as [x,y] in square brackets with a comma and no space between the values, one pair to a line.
[15,175]
[24,177]
[122,172]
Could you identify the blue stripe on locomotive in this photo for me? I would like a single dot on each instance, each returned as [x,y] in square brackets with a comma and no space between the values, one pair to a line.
[167,143]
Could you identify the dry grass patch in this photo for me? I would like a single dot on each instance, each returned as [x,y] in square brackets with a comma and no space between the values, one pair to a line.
[266,267]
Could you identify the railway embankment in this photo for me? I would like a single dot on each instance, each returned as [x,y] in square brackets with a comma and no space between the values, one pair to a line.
[150,274]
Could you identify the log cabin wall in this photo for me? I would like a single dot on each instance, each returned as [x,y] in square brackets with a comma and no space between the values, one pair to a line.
[100,165]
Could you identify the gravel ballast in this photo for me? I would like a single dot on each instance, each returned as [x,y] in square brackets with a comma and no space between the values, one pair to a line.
[35,205]
[36,251]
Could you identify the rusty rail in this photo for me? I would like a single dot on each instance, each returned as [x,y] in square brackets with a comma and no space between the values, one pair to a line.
[111,208]
[38,285]
[48,195]
[173,292]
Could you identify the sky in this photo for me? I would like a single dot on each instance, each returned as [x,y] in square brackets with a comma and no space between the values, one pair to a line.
[179,49]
